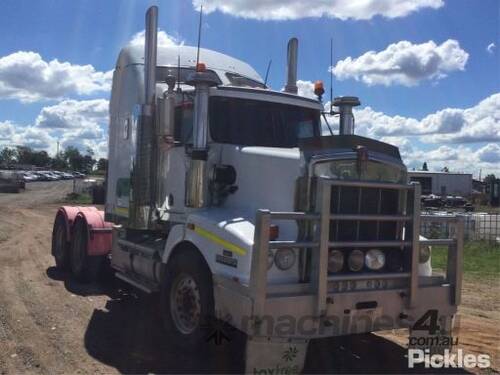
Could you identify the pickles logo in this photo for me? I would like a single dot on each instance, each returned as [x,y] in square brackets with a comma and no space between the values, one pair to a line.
[447,359]
[290,354]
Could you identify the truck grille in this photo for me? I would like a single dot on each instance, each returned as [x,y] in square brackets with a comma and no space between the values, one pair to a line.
[364,201]
[347,200]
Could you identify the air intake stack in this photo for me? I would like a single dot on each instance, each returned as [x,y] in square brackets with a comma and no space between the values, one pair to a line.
[345,105]
[143,178]
[197,179]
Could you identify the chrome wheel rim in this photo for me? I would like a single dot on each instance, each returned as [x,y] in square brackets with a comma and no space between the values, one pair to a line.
[185,305]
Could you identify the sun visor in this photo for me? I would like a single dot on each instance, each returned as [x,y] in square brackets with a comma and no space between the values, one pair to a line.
[342,143]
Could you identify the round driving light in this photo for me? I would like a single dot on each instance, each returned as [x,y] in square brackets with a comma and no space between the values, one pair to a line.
[356,260]
[284,259]
[270,259]
[425,254]
[335,261]
[374,259]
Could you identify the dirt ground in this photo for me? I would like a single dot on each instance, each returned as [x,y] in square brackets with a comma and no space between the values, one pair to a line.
[51,324]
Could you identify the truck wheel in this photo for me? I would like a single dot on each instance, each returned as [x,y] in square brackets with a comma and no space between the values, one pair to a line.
[60,244]
[187,300]
[85,268]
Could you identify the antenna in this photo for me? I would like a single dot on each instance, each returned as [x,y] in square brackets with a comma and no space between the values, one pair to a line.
[267,72]
[178,73]
[331,76]
[199,36]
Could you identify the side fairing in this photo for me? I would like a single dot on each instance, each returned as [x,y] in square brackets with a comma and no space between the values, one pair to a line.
[125,98]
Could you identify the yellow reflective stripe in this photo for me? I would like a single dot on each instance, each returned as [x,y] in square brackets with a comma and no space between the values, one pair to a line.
[121,211]
[218,240]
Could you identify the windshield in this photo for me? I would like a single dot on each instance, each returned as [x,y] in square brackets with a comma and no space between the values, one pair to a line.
[259,123]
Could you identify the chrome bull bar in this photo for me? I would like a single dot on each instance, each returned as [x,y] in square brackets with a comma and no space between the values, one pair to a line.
[320,244]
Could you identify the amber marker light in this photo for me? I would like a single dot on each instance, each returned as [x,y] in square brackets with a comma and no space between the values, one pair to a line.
[319,89]
[201,67]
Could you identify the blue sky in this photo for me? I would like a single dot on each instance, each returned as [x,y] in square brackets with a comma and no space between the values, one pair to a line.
[82,33]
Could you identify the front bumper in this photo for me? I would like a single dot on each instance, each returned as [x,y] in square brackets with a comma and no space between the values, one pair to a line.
[294,315]
[340,305]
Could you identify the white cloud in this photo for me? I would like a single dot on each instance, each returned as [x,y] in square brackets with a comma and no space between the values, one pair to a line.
[12,134]
[35,138]
[7,131]
[76,114]
[76,123]
[73,123]
[489,153]
[306,88]
[296,9]
[25,76]
[491,47]
[480,123]
[377,124]
[164,39]
[404,63]
[459,158]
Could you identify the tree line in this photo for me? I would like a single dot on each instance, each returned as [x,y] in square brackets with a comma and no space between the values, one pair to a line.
[69,159]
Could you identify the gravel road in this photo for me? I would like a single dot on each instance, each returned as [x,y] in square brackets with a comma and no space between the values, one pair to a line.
[51,324]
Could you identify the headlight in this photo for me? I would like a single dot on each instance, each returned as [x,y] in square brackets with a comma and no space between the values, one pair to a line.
[374,259]
[425,254]
[270,259]
[284,259]
[356,260]
[335,261]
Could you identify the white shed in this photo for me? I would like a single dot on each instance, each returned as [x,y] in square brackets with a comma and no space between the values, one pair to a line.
[443,183]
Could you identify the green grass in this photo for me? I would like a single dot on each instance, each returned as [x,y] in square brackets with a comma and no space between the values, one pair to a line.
[481,259]
[78,198]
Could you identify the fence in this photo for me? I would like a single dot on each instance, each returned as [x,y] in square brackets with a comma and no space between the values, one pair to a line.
[478,226]
[85,186]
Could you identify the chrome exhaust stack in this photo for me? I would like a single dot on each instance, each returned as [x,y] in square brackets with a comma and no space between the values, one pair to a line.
[345,105]
[150,53]
[197,175]
[143,176]
[291,67]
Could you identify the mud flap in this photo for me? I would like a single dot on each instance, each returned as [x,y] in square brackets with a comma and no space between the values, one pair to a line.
[274,355]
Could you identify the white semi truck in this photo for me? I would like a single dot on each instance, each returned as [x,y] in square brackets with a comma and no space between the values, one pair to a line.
[224,197]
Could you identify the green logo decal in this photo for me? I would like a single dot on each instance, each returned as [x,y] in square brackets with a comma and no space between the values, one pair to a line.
[290,354]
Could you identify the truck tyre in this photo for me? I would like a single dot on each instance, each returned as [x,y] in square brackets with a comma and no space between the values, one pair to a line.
[60,243]
[187,300]
[85,268]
